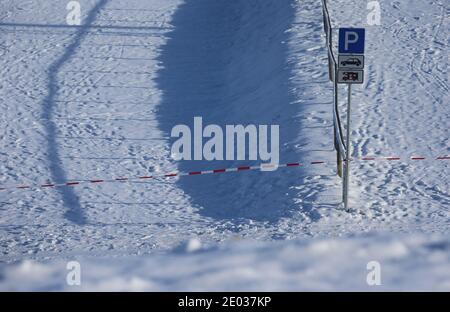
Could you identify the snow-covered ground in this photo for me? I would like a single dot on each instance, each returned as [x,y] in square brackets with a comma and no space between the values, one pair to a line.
[406,263]
[100,100]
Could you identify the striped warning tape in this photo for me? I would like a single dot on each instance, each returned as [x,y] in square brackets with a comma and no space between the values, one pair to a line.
[213,171]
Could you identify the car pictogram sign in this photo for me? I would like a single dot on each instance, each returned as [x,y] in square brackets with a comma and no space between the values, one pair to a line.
[351,61]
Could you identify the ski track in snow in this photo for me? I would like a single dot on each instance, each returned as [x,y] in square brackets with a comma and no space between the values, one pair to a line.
[100,100]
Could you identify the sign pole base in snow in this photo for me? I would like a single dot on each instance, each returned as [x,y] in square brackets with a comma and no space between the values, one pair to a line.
[347,160]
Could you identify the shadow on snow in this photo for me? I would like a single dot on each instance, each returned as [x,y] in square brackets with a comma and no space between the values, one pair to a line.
[226,61]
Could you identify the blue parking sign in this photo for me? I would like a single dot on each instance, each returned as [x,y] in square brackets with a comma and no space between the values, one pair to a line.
[351,40]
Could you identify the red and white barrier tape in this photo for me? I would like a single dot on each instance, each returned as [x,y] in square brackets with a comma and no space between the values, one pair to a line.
[214,171]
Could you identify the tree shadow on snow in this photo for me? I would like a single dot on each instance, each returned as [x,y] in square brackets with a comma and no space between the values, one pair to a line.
[227,62]
[70,199]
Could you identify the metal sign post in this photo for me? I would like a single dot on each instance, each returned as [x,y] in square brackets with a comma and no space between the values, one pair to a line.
[347,160]
[350,71]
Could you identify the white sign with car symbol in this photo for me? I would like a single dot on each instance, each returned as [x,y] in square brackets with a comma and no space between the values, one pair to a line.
[351,61]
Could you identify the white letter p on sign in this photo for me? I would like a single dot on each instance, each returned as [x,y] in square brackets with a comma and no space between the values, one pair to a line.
[349,34]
